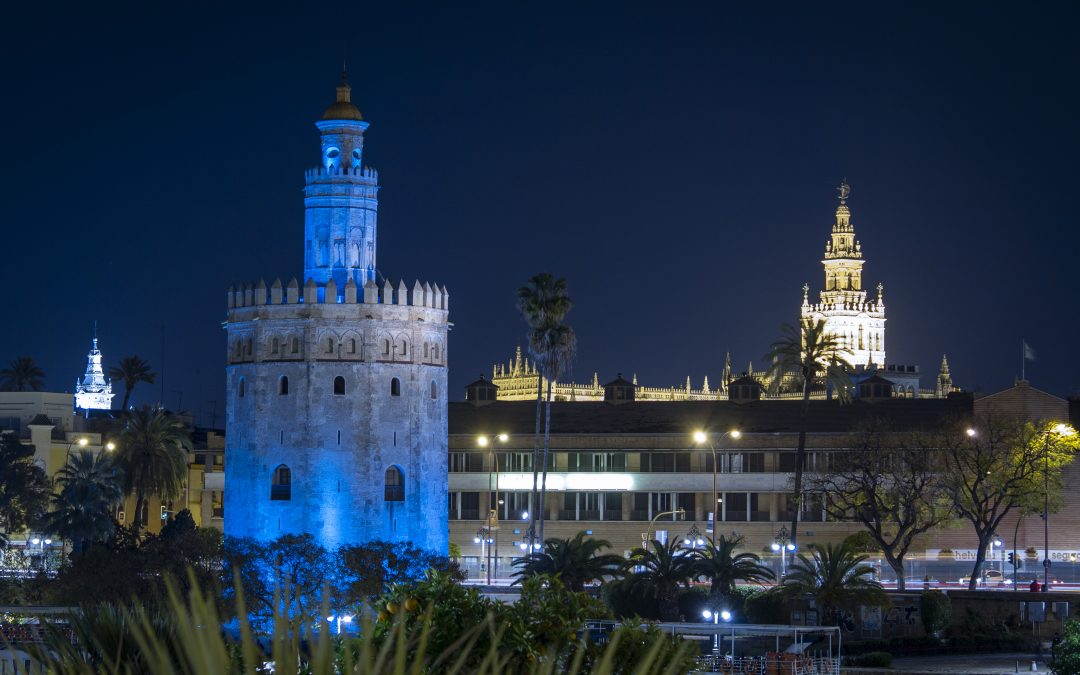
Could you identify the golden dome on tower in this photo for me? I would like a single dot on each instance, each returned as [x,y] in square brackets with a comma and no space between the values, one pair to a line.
[343,108]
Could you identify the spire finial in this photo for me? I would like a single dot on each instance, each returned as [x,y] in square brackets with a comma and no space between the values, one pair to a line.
[844,191]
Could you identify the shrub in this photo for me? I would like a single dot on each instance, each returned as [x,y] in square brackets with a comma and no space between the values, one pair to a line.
[625,601]
[1067,652]
[935,608]
[871,660]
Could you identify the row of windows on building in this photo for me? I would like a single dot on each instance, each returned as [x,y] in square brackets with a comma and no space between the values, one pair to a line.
[244,349]
[641,506]
[281,483]
[339,387]
[648,461]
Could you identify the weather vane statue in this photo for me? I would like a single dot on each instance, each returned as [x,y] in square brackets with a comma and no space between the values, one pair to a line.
[844,190]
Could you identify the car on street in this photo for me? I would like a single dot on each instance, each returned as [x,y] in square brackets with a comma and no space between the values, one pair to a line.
[989,579]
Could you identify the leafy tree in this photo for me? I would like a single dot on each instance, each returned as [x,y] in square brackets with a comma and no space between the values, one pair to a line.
[542,301]
[817,360]
[24,489]
[153,455]
[724,568]
[935,610]
[22,374]
[1003,463]
[369,569]
[544,623]
[575,562]
[1067,653]
[82,511]
[836,576]
[131,370]
[890,483]
[659,571]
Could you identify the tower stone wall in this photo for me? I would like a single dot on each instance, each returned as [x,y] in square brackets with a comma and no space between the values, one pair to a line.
[336,390]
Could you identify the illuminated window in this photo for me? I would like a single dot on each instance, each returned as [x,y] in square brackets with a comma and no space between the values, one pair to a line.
[394,490]
[281,484]
[339,386]
[283,386]
[395,387]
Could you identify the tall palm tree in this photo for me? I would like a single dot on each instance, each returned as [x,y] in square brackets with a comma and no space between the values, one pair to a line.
[22,374]
[559,345]
[575,562]
[817,360]
[153,454]
[541,300]
[724,568]
[836,576]
[24,487]
[90,488]
[658,571]
[131,370]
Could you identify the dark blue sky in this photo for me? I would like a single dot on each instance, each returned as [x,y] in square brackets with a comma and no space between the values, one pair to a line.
[675,161]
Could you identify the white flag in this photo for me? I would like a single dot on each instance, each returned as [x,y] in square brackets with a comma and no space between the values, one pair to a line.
[1029,353]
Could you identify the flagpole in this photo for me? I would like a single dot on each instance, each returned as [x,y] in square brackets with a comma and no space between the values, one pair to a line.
[1023,359]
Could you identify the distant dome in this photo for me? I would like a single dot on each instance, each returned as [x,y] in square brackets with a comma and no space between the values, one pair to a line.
[343,108]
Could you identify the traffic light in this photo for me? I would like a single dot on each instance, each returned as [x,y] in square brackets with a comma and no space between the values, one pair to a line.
[164,513]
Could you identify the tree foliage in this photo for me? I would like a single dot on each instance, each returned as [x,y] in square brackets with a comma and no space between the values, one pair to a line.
[575,562]
[153,454]
[82,510]
[24,487]
[658,570]
[836,576]
[892,484]
[1002,463]
[22,374]
[131,370]
[724,568]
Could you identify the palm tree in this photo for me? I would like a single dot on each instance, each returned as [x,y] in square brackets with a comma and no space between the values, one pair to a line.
[816,358]
[131,370]
[542,299]
[90,488]
[559,344]
[661,569]
[836,576]
[153,455]
[22,374]
[575,562]
[724,568]
[24,489]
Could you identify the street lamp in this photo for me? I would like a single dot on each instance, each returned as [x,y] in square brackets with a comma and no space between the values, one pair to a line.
[701,438]
[646,537]
[716,616]
[493,509]
[782,545]
[693,537]
[1061,430]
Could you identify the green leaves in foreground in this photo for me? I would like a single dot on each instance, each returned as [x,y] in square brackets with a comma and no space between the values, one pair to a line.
[120,641]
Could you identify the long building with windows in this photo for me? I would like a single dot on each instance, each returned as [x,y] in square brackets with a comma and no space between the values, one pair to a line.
[617,465]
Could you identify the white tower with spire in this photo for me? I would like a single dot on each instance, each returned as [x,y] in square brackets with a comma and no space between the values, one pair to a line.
[93,391]
[858,323]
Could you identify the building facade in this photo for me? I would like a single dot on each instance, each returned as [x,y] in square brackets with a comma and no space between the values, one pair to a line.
[336,390]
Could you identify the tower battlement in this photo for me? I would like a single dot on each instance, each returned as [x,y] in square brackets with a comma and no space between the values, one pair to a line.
[259,294]
[367,174]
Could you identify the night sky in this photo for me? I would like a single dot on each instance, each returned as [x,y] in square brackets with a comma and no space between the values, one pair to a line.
[676,162]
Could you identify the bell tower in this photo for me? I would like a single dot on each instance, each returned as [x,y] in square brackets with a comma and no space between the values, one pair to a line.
[858,323]
[341,200]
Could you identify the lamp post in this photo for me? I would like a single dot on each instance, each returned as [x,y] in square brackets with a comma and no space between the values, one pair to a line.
[716,616]
[41,543]
[646,537]
[693,537]
[701,437]
[1061,430]
[782,545]
[493,510]
[483,537]
[82,442]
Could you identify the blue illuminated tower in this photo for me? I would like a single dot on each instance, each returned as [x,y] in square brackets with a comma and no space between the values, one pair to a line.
[341,200]
[336,384]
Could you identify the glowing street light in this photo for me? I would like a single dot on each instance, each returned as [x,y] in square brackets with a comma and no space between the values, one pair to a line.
[701,438]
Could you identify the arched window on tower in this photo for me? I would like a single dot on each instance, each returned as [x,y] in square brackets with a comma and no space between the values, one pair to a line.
[241,387]
[434,390]
[281,484]
[296,345]
[394,490]
[275,346]
[339,386]
[283,386]
[395,387]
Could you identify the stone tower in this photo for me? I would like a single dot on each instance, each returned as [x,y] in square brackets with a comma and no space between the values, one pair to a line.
[336,390]
[858,323]
[93,391]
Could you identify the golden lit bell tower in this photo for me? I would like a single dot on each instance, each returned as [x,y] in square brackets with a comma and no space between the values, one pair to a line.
[860,325]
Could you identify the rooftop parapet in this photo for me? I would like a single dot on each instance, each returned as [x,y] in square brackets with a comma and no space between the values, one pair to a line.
[427,295]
